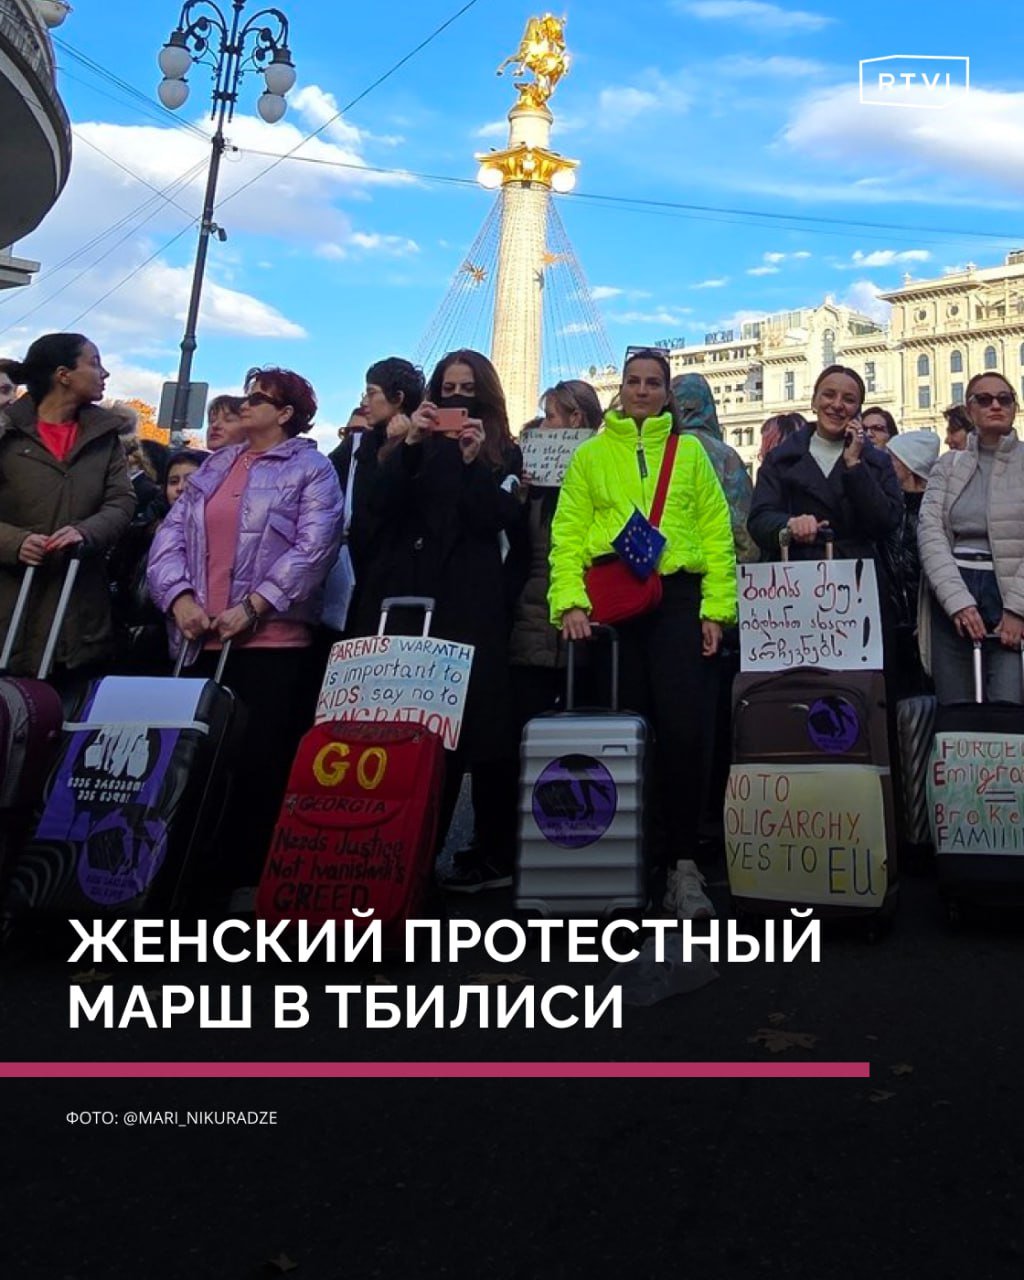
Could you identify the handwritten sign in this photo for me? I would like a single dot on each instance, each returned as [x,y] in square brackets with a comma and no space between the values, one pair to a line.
[546,454]
[976,793]
[811,613]
[405,679]
[806,833]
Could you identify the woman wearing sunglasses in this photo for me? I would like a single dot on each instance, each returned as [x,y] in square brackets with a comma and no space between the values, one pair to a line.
[241,557]
[971,539]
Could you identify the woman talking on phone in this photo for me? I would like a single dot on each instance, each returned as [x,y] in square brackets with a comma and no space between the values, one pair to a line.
[440,500]
[827,475]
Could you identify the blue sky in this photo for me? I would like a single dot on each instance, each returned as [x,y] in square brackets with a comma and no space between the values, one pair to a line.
[744,105]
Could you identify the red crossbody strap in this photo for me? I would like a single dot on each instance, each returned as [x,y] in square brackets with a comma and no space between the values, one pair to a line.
[664,477]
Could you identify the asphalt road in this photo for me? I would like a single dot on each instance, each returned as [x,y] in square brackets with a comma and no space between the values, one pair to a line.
[915,1171]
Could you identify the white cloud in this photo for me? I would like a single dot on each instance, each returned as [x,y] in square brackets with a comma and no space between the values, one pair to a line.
[755,13]
[863,296]
[665,317]
[717,283]
[492,129]
[393,246]
[577,327]
[741,66]
[762,271]
[802,253]
[130,381]
[889,257]
[977,142]
[775,257]
[619,107]
[602,291]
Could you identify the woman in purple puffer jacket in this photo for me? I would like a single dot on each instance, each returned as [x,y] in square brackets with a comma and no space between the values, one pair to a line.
[242,556]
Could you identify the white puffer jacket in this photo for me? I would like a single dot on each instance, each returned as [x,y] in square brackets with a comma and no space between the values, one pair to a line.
[949,477]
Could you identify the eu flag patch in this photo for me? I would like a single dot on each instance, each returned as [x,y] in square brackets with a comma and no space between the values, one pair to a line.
[640,545]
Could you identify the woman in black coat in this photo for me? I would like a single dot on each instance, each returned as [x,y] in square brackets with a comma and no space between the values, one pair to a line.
[440,503]
[827,475]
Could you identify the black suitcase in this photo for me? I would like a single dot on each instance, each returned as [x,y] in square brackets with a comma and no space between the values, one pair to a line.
[809,809]
[976,801]
[915,734]
[132,808]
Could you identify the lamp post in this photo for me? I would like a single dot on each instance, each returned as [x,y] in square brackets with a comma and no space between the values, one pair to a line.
[205,35]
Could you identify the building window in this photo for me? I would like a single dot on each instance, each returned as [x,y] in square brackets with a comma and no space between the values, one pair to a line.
[1022,354]
[991,359]
[869,376]
[924,397]
[956,363]
[923,366]
[789,386]
[829,347]
[957,392]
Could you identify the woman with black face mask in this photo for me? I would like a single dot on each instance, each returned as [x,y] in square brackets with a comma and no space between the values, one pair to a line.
[440,502]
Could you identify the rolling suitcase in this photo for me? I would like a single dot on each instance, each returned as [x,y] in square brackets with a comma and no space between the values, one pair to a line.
[358,826]
[582,812]
[132,807]
[30,721]
[809,810]
[915,733]
[976,800]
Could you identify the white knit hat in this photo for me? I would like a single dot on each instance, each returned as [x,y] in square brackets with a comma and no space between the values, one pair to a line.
[917,450]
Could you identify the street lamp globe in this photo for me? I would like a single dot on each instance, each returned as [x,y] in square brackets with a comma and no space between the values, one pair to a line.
[280,75]
[174,58]
[489,177]
[271,107]
[172,93]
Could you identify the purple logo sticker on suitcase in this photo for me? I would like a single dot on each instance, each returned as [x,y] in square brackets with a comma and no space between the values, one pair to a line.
[833,725]
[104,803]
[574,801]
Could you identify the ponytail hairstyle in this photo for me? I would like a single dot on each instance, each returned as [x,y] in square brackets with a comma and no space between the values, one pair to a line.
[45,356]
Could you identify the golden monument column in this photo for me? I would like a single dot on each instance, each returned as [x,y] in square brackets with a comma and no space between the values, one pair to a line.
[527,171]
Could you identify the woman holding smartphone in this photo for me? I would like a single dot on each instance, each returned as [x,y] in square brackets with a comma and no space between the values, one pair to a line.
[827,475]
[441,499]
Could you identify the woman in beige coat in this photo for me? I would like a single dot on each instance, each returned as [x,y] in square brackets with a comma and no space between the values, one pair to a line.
[971,540]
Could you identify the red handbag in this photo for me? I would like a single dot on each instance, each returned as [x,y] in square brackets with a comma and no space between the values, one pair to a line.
[616,594]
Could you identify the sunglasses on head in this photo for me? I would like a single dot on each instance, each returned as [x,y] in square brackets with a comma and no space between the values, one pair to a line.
[1003,398]
[261,397]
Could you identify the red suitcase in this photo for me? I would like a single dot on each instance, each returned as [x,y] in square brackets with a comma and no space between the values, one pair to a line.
[358,824]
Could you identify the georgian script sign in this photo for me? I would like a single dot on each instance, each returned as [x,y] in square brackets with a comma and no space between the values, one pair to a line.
[811,613]
[405,679]
[546,454]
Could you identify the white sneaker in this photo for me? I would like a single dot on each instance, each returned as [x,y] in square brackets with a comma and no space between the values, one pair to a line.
[689,901]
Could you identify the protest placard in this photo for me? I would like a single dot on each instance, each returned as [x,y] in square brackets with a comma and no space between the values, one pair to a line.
[806,833]
[976,793]
[546,454]
[812,613]
[410,679]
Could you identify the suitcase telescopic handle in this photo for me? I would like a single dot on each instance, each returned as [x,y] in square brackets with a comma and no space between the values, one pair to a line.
[828,537]
[979,666]
[427,603]
[186,645]
[596,629]
[21,605]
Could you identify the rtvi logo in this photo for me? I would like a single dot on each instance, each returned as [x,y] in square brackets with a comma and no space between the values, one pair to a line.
[913,80]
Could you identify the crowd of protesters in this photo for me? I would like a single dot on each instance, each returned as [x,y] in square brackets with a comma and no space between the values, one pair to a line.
[235,542]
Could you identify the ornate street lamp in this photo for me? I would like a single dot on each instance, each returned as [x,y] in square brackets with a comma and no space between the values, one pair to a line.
[204,35]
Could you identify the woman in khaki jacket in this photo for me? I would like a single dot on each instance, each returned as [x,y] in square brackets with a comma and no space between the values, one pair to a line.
[63,482]
[971,539]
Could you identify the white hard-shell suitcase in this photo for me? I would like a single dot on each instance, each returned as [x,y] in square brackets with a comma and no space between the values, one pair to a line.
[582,819]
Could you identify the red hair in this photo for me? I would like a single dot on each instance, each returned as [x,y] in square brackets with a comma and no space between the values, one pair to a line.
[292,390]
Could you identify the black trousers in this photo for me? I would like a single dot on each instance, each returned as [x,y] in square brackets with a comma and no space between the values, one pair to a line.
[664,677]
[277,689]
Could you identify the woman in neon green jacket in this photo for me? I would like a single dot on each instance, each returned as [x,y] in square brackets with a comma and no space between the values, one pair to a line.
[664,672]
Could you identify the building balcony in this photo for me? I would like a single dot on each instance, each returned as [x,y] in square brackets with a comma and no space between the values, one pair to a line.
[35,141]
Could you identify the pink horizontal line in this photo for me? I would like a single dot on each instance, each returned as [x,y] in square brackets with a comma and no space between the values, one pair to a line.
[438,1070]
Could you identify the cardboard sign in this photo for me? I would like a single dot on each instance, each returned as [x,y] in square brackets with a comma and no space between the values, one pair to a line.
[405,679]
[810,834]
[546,454]
[976,793]
[811,613]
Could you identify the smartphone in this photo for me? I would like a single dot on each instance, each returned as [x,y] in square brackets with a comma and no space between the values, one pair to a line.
[450,419]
